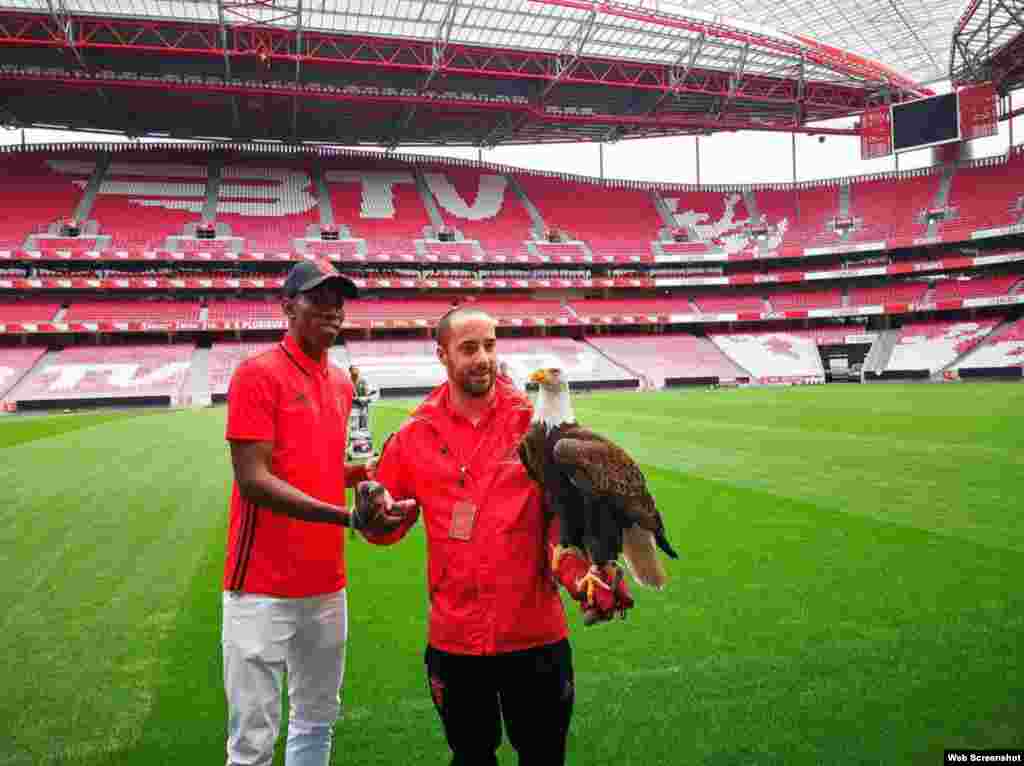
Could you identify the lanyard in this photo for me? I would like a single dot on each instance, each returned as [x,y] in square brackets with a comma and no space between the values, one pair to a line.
[464,462]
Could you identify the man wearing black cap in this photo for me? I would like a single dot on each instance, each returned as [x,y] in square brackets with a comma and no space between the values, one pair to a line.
[284,574]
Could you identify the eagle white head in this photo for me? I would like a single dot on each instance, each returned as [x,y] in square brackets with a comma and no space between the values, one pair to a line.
[553,406]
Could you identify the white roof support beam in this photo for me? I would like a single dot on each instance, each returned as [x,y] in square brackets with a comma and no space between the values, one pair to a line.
[439,49]
[678,72]
[735,79]
[571,52]
[61,17]
[298,69]
[236,122]
[441,39]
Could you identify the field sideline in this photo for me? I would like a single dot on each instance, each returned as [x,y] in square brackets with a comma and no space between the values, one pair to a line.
[849,588]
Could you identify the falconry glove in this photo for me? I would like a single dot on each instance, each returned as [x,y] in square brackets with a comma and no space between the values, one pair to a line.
[599,599]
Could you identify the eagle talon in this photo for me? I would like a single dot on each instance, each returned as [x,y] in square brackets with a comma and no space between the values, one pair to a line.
[591,581]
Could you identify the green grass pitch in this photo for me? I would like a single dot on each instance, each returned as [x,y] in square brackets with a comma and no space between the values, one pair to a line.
[849,590]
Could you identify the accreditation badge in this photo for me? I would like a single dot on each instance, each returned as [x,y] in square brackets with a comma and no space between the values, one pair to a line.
[463,519]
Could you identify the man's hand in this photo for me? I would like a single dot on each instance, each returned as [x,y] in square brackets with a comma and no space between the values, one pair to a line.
[601,594]
[375,511]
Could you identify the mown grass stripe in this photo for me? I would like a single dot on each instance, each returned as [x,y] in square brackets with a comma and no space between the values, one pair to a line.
[804,624]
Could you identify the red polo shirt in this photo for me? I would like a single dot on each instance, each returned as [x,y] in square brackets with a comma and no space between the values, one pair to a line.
[302,406]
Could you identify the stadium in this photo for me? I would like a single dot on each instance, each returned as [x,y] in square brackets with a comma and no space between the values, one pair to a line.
[815,374]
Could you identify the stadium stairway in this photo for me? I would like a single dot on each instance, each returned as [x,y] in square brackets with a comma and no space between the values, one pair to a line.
[738,366]
[1000,329]
[818,358]
[645,380]
[942,196]
[539,227]
[750,200]
[428,200]
[41,364]
[9,384]
[196,389]
[92,188]
[323,198]
[881,352]
[844,210]
[667,219]
[929,294]
[212,190]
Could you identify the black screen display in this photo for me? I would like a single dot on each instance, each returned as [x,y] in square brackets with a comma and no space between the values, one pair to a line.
[929,121]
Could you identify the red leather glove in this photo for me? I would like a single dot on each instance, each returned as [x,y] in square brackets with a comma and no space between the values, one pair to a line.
[574,571]
[569,566]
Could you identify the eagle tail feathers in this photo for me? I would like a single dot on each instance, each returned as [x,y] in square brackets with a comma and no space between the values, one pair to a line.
[641,555]
[664,544]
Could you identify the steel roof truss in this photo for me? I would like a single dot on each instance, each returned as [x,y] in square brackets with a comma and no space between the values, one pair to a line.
[571,53]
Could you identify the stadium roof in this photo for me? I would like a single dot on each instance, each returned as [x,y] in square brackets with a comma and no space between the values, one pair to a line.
[911,36]
[988,44]
[501,71]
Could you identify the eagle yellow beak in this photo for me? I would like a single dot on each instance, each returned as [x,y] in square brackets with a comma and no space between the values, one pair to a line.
[539,377]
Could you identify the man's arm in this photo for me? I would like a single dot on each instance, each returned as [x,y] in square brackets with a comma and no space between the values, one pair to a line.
[389,471]
[252,461]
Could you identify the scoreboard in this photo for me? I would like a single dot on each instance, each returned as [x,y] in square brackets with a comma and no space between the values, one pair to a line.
[963,115]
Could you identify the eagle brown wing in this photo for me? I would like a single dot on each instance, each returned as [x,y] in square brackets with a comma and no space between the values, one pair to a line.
[606,469]
[604,465]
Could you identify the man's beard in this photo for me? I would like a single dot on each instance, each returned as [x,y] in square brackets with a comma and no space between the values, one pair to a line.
[478,388]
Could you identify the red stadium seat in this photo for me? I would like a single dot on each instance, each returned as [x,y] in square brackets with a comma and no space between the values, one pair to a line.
[806,299]
[267,204]
[87,372]
[28,311]
[224,359]
[979,287]
[726,303]
[933,345]
[379,202]
[37,191]
[484,207]
[599,307]
[631,217]
[668,356]
[1006,349]
[148,196]
[132,311]
[897,292]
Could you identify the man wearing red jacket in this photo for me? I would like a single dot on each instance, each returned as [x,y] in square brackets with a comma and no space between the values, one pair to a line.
[498,638]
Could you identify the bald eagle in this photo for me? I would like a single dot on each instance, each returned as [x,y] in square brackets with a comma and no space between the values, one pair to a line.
[597,491]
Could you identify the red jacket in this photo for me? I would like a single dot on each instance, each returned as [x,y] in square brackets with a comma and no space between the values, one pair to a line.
[491,593]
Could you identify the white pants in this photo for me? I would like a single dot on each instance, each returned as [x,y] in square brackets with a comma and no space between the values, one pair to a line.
[262,638]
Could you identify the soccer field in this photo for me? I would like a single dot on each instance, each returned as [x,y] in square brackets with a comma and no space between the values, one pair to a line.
[849,588]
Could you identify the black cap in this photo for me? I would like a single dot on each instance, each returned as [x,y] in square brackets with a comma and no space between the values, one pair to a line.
[309,274]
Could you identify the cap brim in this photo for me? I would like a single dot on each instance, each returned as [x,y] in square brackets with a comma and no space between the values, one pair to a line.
[348,287]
